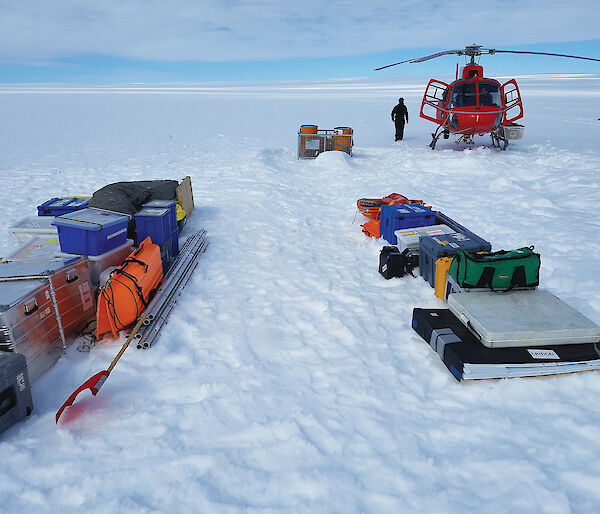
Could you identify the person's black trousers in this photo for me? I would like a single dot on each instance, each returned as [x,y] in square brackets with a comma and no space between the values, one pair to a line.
[399,129]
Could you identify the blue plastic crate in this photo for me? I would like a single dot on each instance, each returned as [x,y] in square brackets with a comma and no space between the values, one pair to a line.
[175,244]
[91,231]
[166,255]
[165,204]
[395,217]
[59,206]
[154,223]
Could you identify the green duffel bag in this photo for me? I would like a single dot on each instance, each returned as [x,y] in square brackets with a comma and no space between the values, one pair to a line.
[498,271]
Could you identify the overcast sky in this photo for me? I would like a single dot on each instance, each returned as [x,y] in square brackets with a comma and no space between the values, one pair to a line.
[99,36]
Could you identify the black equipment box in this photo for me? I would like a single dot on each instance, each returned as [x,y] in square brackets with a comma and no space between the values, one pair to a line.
[467,358]
[394,263]
[15,390]
[391,262]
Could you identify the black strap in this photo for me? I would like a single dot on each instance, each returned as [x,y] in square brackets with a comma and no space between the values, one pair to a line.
[135,283]
[137,261]
[487,275]
[519,278]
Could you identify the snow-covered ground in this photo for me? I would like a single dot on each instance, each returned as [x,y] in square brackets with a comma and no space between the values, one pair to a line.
[288,378]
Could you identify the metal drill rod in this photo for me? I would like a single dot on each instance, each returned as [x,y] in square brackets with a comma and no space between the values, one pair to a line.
[167,288]
[145,339]
[157,322]
[181,261]
[173,277]
[146,342]
[174,291]
[178,278]
[155,303]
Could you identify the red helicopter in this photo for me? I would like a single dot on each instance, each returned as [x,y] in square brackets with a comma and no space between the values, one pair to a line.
[474,104]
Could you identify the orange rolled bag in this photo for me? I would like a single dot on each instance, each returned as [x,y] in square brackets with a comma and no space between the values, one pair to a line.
[371,228]
[129,289]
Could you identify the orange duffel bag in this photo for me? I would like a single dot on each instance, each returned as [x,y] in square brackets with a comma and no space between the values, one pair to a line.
[129,289]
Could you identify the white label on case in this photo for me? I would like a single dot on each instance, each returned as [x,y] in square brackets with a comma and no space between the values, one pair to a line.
[21,382]
[117,233]
[543,354]
[86,295]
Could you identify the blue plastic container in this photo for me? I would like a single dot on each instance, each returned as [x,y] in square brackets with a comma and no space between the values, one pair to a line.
[59,206]
[395,217]
[91,231]
[166,256]
[165,204]
[154,223]
[175,244]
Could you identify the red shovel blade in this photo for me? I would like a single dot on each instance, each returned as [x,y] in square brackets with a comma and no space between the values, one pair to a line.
[93,384]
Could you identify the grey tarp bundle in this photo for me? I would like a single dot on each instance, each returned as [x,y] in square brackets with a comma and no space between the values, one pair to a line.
[128,197]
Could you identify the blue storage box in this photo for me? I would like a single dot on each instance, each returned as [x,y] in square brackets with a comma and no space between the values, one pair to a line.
[395,217]
[91,231]
[154,223]
[432,248]
[165,204]
[58,206]
[166,255]
[175,245]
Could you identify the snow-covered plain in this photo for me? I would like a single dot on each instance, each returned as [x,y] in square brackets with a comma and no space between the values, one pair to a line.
[288,378]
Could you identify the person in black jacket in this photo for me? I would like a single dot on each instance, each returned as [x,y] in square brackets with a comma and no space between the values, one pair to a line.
[399,113]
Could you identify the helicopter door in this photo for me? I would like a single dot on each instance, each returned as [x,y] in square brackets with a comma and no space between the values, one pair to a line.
[432,106]
[511,97]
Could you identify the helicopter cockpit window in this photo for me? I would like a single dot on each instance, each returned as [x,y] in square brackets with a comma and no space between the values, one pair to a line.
[462,95]
[489,94]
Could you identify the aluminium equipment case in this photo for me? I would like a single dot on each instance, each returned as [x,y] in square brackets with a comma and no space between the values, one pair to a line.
[522,318]
[15,390]
[466,358]
[43,307]
[38,249]
[431,248]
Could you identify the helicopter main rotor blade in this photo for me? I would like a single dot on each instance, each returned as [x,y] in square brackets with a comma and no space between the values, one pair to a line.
[476,50]
[543,53]
[421,59]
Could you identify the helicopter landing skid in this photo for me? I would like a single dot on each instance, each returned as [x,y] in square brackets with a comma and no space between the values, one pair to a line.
[498,141]
[440,131]
[467,139]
